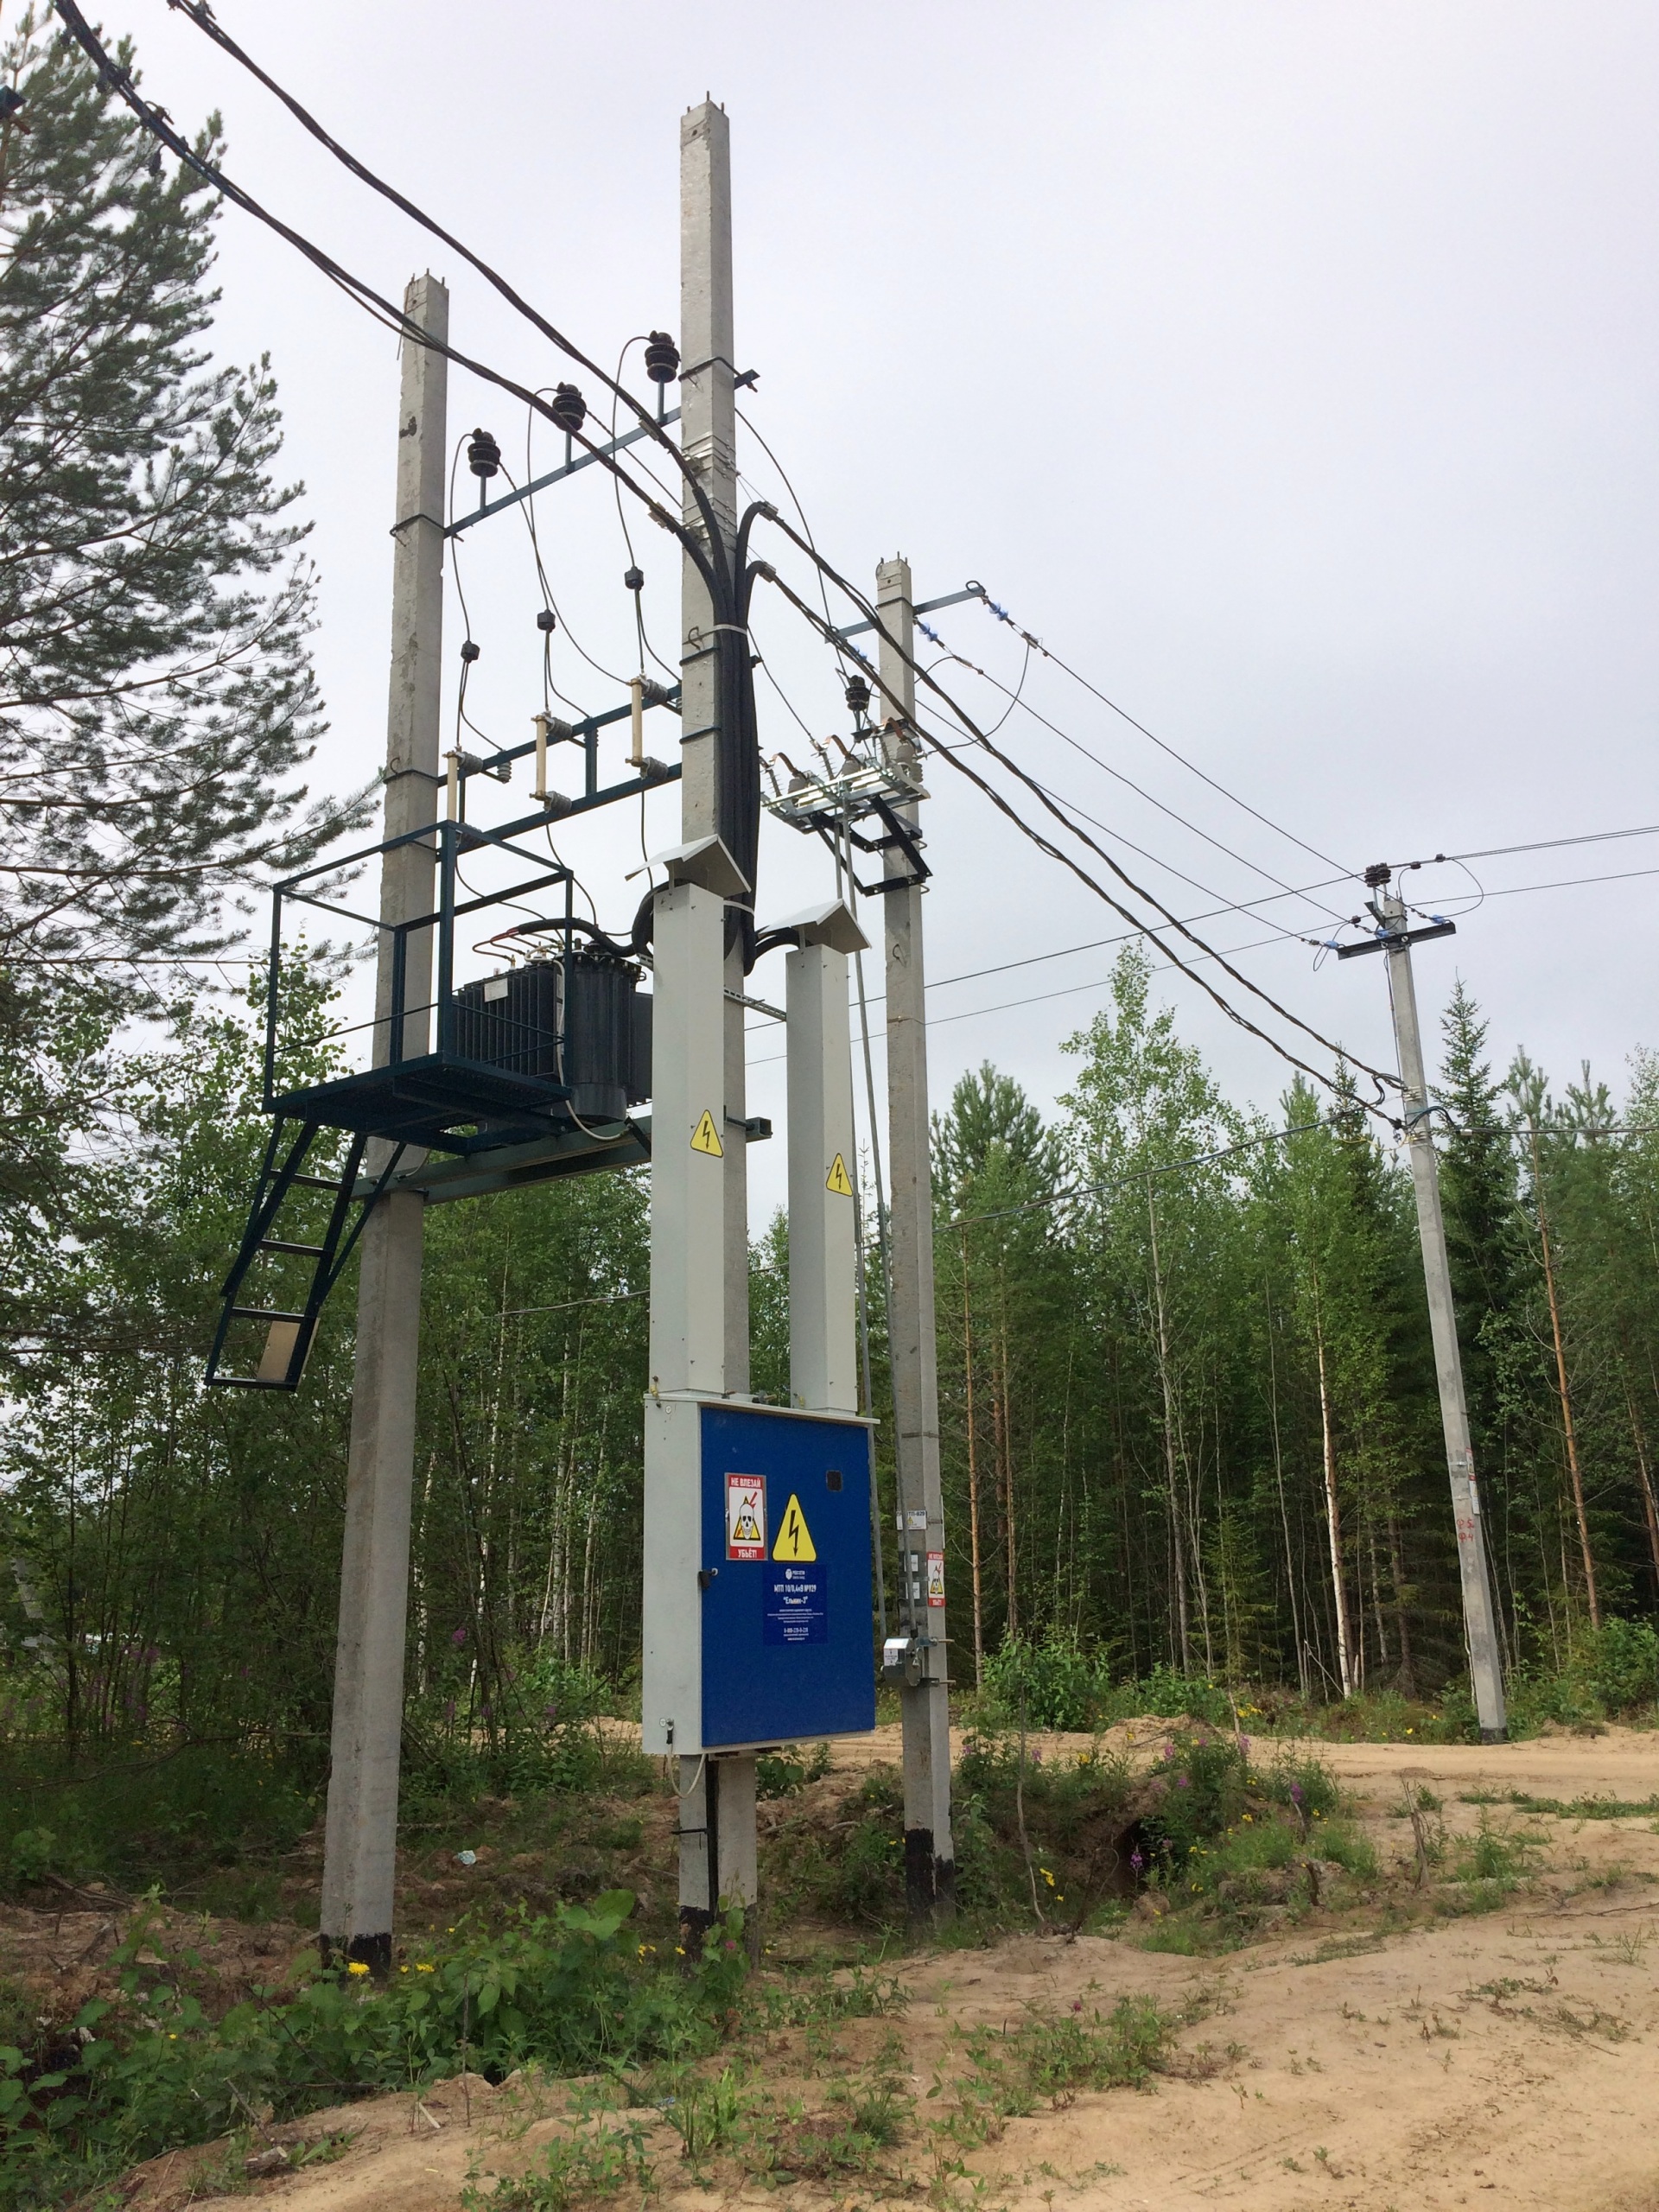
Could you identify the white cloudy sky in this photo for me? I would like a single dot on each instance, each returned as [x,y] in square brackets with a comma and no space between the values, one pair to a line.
[1289,368]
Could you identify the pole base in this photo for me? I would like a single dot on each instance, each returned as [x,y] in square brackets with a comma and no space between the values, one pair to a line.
[695,1921]
[1494,1735]
[371,1951]
[930,1881]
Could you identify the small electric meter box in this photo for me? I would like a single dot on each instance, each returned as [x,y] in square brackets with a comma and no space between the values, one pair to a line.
[758,1584]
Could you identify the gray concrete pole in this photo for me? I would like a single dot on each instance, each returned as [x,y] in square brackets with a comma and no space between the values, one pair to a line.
[929,1854]
[719,1862]
[1485,1668]
[360,1844]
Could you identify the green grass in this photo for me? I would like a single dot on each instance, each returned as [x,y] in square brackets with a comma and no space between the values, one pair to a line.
[577,2170]
[1568,1808]
[1049,2058]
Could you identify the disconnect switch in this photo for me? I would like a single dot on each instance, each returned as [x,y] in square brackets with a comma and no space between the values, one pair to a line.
[902,1660]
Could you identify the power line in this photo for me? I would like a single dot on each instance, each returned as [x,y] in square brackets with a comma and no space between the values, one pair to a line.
[1041,998]
[713,572]
[1139,789]
[1065,859]
[1037,645]
[1223,906]
[1541,845]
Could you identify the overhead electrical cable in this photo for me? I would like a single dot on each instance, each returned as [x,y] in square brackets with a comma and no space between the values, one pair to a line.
[201,14]
[1224,905]
[1055,852]
[1266,821]
[1541,845]
[1036,998]
[1139,789]
[713,571]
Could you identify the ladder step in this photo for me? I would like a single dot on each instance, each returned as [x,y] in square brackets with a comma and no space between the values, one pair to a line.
[277,1244]
[261,1313]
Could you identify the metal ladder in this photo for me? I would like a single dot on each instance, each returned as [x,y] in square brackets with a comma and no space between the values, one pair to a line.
[289,1334]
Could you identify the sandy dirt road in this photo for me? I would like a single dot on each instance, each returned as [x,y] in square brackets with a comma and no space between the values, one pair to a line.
[1510,2056]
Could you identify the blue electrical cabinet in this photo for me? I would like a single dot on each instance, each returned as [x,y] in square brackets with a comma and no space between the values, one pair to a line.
[786,1593]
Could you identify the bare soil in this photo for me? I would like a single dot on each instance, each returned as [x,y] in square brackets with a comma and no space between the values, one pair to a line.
[1385,2057]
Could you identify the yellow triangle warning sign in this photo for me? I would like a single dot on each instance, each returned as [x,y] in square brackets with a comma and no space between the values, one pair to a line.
[706,1137]
[836,1179]
[794,1537]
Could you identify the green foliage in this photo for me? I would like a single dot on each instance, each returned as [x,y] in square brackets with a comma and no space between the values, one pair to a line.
[575,2170]
[160,699]
[1053,1684]
[565,1992]
[1204,1780]
[1303,1783]
[1619,1664]
[1052,2056]
[173,1818]
[782,1773]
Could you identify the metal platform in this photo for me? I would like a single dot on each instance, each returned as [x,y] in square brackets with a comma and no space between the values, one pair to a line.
[438,1101]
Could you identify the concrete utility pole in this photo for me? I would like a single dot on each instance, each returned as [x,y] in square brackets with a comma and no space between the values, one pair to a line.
[717,1848]
[929,1855]
[1484,1667]
[361,1847]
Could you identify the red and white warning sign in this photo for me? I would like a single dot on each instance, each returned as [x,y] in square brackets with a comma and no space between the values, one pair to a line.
[746,1516]
[936,1578]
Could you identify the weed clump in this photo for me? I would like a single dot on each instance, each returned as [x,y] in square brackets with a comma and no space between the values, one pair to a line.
[148,2070]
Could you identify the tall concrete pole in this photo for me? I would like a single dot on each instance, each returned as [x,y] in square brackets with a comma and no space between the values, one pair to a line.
[929,1854]
[1484,1667]
[719,1861]
[360,1845]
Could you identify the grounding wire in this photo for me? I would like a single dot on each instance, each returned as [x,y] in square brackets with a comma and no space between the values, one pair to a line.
[1054,852]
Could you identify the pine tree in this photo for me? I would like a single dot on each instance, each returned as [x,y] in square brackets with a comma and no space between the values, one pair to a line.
[1478,1197]
[157,699]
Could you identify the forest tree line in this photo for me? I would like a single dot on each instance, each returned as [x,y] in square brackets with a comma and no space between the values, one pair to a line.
[1187,1397]
[1188,1404]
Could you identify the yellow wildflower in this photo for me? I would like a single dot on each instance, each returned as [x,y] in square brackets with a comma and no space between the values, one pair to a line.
[357,1966]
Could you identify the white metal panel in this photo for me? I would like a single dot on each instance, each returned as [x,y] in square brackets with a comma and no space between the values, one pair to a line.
[671,1686]
[823,1290]
[688,1332]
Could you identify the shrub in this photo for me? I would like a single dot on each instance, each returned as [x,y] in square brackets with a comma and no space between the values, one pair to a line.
[1054,1684]
[1205,1779]
[1619,1664]
[1175,1696]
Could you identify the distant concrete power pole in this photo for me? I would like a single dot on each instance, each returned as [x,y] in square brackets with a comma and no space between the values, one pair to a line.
[360,1846]
[1479,1622]
[929,1855]
[717,1847]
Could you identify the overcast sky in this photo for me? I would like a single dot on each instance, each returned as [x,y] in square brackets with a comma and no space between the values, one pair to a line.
[1290,370]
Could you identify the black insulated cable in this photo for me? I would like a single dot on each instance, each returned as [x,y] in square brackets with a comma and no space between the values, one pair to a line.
[1054,852]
